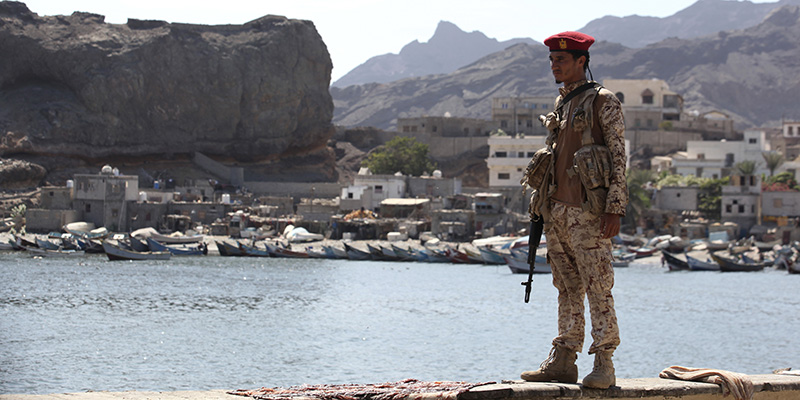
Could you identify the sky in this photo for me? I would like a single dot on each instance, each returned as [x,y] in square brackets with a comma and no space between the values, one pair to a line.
[356,30]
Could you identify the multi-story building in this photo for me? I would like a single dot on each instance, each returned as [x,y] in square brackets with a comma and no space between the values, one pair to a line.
[521,114]
[716,159]
[646,103]
[740,200]
[103,198]
[509,156]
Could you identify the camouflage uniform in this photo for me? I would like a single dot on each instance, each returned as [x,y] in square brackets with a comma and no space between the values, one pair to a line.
[579,257]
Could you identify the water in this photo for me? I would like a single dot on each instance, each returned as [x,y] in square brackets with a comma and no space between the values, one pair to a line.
[237,323]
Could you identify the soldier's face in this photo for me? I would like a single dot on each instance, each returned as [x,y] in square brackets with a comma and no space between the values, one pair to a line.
[566,68]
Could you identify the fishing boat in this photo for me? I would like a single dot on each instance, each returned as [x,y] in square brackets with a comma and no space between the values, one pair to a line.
[728,264]
[39,252]
[228,249]
[177,250]
[696,264]
[354,253]
[675,262]
[405,254]
[114,253]
[517,261]
[253,250]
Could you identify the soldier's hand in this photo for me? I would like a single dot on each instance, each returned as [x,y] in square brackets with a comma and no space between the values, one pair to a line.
[609,224]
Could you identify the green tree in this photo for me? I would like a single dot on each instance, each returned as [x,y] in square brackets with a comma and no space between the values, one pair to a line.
[639,196]
[773,159]
[710,197]
[401,154]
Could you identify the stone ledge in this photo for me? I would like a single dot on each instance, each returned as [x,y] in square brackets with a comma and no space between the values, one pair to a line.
[766,387]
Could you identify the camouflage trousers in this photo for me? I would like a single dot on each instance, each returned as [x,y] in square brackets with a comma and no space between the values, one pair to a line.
[581,264]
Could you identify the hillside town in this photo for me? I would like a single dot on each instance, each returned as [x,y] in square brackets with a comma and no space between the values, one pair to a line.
[661,137]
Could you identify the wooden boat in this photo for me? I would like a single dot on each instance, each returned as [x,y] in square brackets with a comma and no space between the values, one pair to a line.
[379,253]
[793,267]
[336,251]
[491,255]
[277,249]
[675,262]
[457,256]
[518,263]
[405,254]
[227,249]
[318,252]
[354,253]
[696,264]
[198,250]
[47,244]
[39,252]
[642,252]
[727,264]
[115,252]
[138,244]
[86,230]
[176,239]
[253,250]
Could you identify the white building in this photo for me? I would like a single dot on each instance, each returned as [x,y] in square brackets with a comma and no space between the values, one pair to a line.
[370,190]
[509,156]
[791,129]
[715,158]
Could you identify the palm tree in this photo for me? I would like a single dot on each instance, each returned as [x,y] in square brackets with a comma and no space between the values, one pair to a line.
[746,168]
[773,159]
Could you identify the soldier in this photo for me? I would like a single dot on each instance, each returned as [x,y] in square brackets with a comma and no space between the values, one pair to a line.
[584,195]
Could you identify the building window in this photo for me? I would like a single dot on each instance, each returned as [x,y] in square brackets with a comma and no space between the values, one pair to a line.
[504,176]
[777,203]
[728,209]
[753,141]
[114,213]
[530,154]
[504,124]
[741,208]
[378,188]
[406,128]
[521,154]
[791,131]
[88,208]
[504,106]
[349,195]
[647,96]
[530,123]
[621,97]
[501,154]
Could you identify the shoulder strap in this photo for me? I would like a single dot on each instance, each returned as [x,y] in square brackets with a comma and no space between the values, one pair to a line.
[580,89]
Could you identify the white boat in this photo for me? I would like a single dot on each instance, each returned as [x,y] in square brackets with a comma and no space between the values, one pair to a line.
[300,235]
[85,230]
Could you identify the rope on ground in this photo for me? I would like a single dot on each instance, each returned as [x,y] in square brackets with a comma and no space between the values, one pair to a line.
[733,383]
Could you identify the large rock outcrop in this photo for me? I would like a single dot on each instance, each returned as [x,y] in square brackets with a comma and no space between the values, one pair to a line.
[75,86]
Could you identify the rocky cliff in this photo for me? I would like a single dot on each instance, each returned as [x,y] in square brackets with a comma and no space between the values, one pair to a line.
[76,87]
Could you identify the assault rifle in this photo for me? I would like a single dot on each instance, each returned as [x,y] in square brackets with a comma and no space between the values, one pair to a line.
[534,237]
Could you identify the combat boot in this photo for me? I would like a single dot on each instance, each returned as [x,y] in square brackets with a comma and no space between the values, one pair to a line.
[559,367]
[602,376]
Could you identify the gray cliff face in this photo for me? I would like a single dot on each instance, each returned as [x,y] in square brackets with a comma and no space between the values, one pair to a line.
[78,87]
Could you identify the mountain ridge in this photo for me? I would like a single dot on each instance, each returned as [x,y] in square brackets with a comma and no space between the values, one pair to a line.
[751,74]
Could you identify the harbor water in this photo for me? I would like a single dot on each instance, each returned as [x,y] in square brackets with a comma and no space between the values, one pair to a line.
[196,323]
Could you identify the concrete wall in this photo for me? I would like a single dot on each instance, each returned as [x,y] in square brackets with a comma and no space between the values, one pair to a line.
[56,198]
[39,220]
[677,198]
[780,204]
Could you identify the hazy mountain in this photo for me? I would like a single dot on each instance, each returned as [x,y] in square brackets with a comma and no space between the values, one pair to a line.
[704,17]
[451,48]
[752,74]
[448,49]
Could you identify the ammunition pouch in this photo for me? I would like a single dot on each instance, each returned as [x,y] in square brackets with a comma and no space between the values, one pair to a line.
[536,177]
[592,164]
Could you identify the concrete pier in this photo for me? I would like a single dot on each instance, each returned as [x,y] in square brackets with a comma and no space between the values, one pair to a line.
[767,387]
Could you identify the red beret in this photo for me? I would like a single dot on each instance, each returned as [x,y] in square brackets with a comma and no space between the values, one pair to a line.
[569,41]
